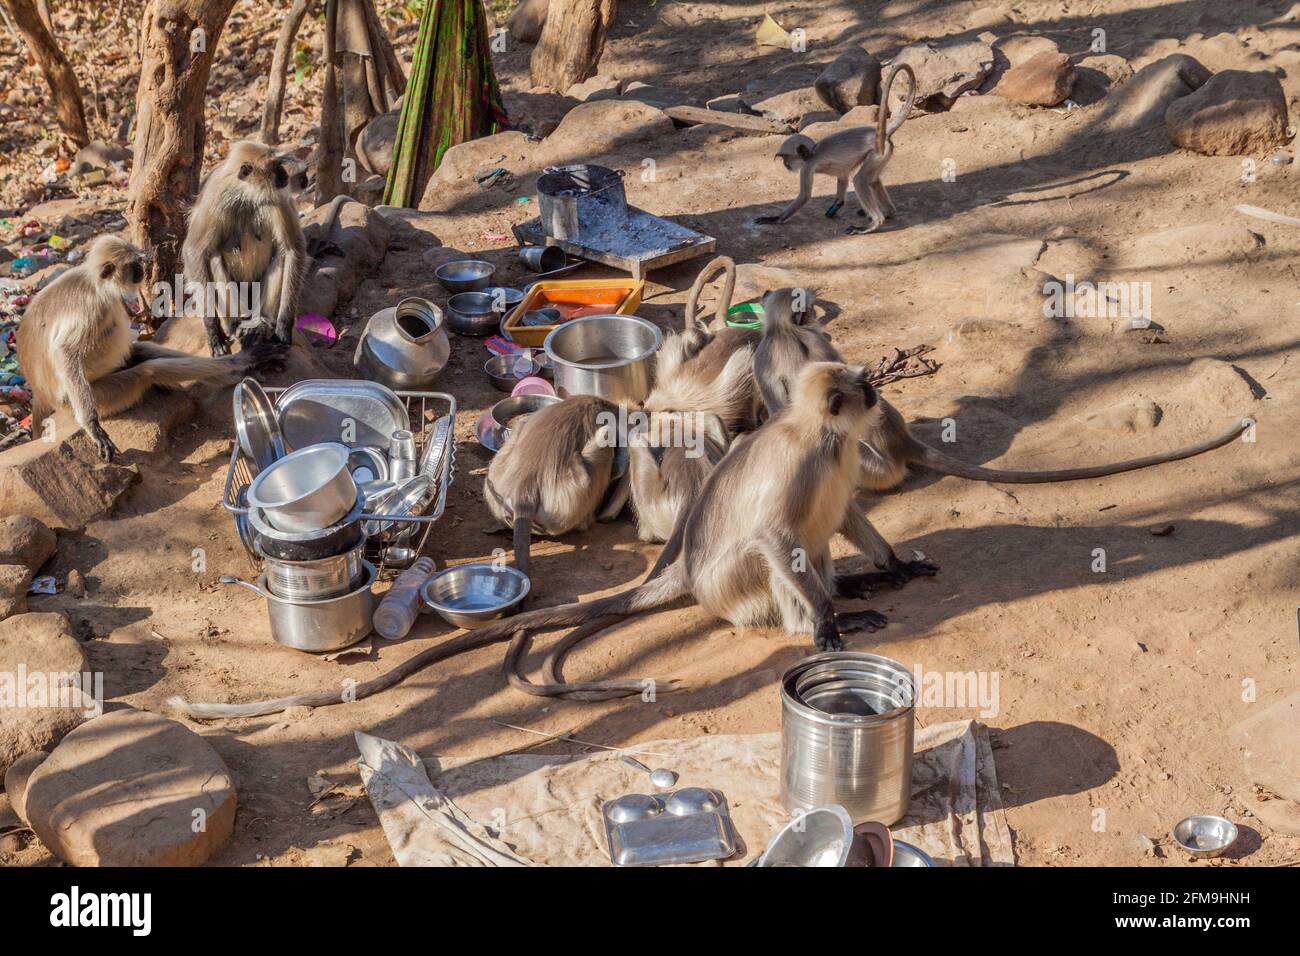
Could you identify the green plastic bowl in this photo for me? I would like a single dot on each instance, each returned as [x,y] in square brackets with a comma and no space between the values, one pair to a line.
[747,315]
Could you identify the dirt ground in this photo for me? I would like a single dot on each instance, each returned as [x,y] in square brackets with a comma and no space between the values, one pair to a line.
[1116,687]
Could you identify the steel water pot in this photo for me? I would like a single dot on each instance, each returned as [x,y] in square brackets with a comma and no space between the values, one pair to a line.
[404,347]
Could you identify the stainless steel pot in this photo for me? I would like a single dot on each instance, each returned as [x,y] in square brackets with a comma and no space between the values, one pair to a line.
[308,490]
[318,579]
[318,626]
[570,196]
[605,355]
[847,728]
[405,346]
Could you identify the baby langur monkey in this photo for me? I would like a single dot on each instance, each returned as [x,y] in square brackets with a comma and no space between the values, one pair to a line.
[553,473]
[244,229]
[75,348]
[753,550]
[860,154]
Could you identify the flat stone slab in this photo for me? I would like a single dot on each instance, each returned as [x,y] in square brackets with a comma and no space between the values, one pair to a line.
[132,788]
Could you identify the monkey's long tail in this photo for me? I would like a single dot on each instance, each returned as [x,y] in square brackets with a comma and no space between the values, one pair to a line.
[935,460]
[885,128]
[726,264]
[668,587]
[523,540]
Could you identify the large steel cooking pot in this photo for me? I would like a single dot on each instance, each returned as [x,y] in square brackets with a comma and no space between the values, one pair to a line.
[318,626]
[847,728]
[605,355]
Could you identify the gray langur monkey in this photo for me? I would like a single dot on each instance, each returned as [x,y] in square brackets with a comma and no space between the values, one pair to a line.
[668,472]
[244,228]
[860,154]
[791,338]
[554,472]
[75,347]
[753,550]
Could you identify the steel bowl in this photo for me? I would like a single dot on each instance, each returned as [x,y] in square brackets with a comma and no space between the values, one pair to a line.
[469,595]
[605,355]
[307,490]
[465,275]
[823,836]
[411,497]
[471,313]
[1205,836]
[505,371]
[367,464]
[319,626]
[907,855]
[508,409]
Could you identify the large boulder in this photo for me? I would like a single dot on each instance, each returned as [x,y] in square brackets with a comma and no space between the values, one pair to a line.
[357,244]
[375,143]
[62,481]
[131,788]
[1045,79]
[528,19]
[944,71]
[1143,100]
[852,79]
[14,581]
[1234,112]
[16,777]
[25,540]
[453,181]
[41,698]
[1096,76]
[602,126]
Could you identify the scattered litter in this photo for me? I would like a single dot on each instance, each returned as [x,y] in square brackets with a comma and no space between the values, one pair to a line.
[495,237]
[317,329]
[770,33]
[43,585]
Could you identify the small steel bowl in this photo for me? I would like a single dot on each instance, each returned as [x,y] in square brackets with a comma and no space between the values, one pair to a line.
[1205,836]
[821,837]
[465,275]
[308,490]
[469,595]
[503,298]
[505,371]
[907,855]
[508,409]
[471,313]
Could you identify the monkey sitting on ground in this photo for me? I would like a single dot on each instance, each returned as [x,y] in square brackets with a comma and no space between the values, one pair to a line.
[753,550]
[553,473]
[668,470]
[860,153]
[244,229]
[75,348]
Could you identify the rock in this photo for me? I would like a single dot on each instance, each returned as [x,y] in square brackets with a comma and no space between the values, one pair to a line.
[729,103]
[852,79]
[660,97]
[39,646]
[796,76]
[944,71]
[25,540]
[1137,415]
[132,788]
[604,126]
[1018,49]
[598,87]
[453,182]
[528,19]
[63,482]
[14,581]
[1096,76]
[1270,745]
[362,236]
[1234,112]
[1280,816]
[16,778]
[796,109]
[98,154]
[1143,99]
[860,116]
[76,584]
[375,142]
[1045,79]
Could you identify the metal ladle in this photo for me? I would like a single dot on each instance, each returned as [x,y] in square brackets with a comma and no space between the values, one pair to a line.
[660,779]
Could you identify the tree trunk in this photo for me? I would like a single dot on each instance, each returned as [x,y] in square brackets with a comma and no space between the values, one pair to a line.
[179,38]
[572,41]
[55,66]
[279,67]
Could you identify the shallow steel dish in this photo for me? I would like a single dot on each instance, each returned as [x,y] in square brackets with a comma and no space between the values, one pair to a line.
[469,595]
[465,275]
[353,412]
[256,425]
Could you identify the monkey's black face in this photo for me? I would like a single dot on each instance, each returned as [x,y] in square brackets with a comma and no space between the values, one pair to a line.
[279,175]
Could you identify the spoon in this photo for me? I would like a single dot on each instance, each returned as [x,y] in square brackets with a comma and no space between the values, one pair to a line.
[660,779]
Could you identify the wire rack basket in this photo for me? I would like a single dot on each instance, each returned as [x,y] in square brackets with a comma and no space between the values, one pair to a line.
[424,410]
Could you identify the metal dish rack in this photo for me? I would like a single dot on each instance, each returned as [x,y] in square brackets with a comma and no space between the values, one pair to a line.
[424,409]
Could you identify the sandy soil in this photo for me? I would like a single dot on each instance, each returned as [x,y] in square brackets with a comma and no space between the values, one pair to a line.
[1116,688]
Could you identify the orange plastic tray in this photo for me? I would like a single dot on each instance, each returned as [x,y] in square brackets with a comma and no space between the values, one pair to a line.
[574,298]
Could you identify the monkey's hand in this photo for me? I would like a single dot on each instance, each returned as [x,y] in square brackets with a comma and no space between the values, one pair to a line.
[104,444]
[827,636]
[861,621]
[218,345]
[263,357]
